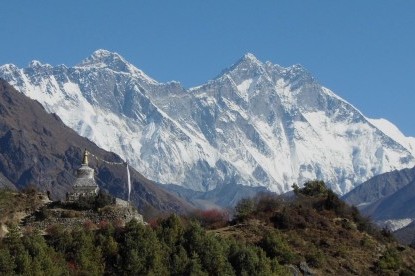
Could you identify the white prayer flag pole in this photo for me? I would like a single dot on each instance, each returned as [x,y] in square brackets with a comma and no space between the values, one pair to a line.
[129,183]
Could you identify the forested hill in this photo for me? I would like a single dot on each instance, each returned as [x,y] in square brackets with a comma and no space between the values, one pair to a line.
[313,233]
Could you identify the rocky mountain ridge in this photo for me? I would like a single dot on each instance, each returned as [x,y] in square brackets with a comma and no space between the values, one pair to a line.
[37,149]
[256,124]
[388,199]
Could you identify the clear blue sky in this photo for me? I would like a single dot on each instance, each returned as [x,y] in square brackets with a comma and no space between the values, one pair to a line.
[362,50]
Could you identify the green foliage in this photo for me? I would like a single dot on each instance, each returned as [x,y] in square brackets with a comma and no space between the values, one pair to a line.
[6,197]
[319,197]
[296,189]
[275,234]
[194,267]
[7,265]
[390,260]
[249,260]
[44,259]
[244,209]
[276,247]
[211,250]
[267,203]
[289,218]
[141,251]
[29,255]
[88,256]
[171,230]
[315,257]
[313,188]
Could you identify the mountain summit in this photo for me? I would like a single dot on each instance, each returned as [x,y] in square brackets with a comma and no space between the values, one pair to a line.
[257,124]
[103,59]
[106,59]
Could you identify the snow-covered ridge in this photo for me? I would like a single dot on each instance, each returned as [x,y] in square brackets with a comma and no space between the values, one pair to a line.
[392,131]
[101,59]
[395,224]
[256,124]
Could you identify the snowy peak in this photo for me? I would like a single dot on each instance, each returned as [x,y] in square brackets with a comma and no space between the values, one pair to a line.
[298,75]
[36,64]
[393,132]
[248,63]
[249,68]
[104,59]
[7,68]
[246,70]
[257,124]
[248,57]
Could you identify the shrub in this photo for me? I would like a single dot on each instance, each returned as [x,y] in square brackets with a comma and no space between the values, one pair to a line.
[244,209]
[268,203]
[390,260]
[89,225]
[42,214]
[315,257]
[288,218]
[70,214]
[249,260]
[103,199]
[276,247]
[212,218]
[314,188]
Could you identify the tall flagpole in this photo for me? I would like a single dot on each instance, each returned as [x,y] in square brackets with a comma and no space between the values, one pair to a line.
[129,183]
[113,163]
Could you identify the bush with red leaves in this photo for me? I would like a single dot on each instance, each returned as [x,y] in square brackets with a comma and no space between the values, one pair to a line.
[212,218]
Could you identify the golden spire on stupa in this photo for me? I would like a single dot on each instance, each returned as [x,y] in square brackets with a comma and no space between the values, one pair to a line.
[85,159]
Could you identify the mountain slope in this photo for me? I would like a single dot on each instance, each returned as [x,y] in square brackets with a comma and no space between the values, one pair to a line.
[397,206]
[389,198]
[256,124]
[406,235]
[379,187]
[36,148]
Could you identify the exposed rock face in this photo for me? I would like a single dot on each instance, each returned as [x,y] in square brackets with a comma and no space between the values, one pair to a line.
[257,124]
[36,148]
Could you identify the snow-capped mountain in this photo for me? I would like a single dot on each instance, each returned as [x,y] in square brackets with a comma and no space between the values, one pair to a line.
[257,124]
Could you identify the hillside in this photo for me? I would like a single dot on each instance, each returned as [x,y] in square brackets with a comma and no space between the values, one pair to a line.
[379,186]
[388,199]
[315,233]
[320,229]
[37,149]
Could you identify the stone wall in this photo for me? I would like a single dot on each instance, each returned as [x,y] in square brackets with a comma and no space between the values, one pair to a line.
[70,218]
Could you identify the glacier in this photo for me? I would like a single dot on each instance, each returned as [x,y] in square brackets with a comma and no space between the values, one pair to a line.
[257,124]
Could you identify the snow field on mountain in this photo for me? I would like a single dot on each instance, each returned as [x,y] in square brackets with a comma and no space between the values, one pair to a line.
[257,124]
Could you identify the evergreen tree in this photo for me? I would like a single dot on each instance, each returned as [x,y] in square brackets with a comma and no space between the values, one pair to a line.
[141,251]
[86,255]
[44,259]
[7,264]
